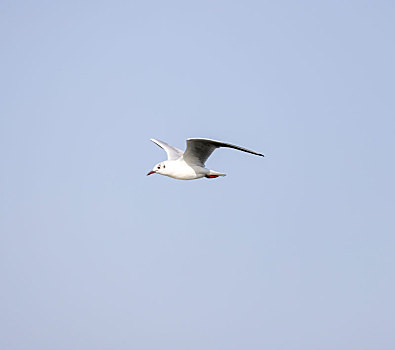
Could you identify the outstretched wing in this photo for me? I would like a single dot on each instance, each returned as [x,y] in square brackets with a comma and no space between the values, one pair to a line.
[198,150]
[173,153]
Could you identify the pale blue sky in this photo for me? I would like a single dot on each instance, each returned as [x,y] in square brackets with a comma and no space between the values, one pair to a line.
[291,251]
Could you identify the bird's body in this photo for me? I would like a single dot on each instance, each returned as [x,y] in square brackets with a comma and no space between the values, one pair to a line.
[189,165]
[181,170]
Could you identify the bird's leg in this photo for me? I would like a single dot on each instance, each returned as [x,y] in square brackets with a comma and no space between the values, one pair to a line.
[211,176]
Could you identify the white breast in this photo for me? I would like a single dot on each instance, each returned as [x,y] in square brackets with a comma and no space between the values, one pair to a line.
[179,169]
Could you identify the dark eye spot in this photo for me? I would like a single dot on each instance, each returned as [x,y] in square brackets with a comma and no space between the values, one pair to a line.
[164,166]
[158,166]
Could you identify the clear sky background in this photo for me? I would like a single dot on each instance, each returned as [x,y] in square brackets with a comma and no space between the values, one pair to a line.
[292,251]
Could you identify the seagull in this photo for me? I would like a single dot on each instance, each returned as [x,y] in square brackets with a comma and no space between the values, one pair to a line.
[189,165]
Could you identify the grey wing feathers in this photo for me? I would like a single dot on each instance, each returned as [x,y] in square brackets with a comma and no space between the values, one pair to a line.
[173,153]
[198,150]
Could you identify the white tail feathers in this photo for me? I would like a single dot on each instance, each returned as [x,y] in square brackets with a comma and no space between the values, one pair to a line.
[216,173]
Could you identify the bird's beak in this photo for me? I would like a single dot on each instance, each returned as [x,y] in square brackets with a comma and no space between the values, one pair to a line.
[151,172]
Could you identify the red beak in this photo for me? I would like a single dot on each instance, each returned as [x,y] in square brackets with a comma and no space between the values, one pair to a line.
[151,172]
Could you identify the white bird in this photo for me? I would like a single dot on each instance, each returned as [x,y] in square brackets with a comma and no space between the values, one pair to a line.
[189,165]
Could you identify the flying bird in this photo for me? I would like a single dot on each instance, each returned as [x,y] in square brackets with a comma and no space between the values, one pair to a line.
[189,165]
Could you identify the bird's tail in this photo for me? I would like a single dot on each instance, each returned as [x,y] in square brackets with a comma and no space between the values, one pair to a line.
[213,173]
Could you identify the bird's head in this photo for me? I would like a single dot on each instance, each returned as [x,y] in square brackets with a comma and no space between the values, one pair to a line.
[159,168]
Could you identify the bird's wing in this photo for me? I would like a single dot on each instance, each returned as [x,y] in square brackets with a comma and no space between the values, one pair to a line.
[173,153]
[198,150]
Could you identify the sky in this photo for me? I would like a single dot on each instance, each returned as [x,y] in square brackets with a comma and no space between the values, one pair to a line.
[291,251]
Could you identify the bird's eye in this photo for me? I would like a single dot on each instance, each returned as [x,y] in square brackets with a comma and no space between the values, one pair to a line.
[158,166]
